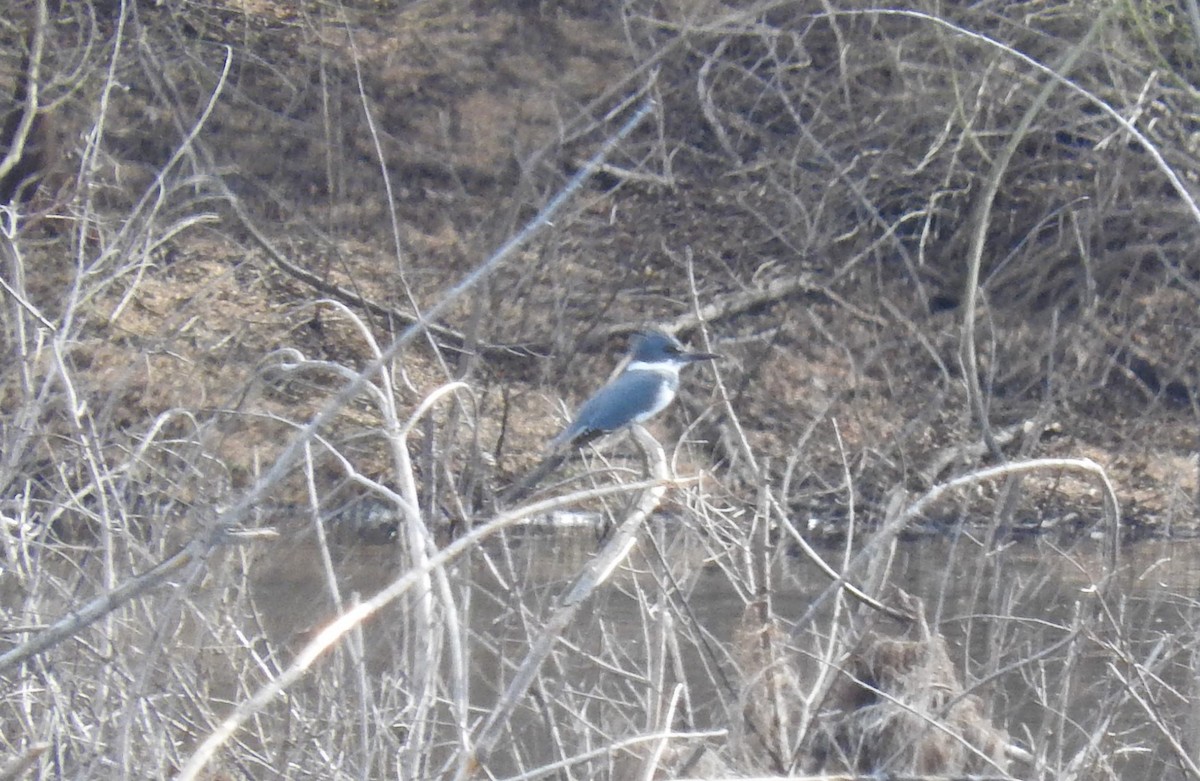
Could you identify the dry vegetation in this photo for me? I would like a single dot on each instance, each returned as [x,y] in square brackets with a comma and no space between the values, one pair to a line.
[266,370]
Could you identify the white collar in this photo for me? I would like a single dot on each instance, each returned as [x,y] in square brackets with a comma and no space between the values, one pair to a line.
[664,368]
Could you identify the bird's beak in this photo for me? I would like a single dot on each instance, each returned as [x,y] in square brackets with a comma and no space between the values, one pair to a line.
[693,357]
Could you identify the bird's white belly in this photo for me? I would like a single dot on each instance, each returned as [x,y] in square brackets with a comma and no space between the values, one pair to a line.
[665,396]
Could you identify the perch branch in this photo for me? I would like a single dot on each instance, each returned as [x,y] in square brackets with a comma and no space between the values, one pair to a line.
[592,577]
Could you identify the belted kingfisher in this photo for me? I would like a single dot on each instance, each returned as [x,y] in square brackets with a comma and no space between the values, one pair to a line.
[644,389]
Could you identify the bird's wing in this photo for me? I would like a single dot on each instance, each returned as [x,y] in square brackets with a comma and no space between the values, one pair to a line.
[632,396]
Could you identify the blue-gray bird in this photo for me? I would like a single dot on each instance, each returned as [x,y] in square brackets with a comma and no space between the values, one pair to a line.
[643,389]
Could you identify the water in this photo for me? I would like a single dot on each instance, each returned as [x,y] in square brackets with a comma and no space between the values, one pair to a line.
[1008,615]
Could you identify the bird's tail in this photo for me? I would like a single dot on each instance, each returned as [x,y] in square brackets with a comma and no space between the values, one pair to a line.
[525,486]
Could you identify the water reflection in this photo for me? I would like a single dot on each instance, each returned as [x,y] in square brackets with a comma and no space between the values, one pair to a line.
[998,610]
